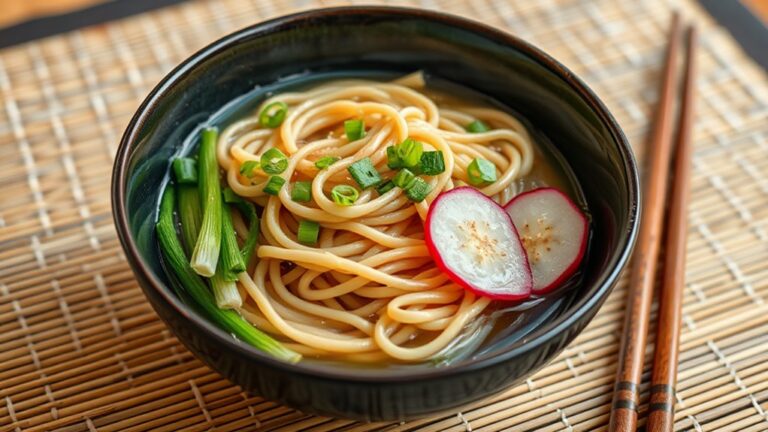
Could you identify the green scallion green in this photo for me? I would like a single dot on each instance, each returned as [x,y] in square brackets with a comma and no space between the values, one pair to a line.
[205,256]
[403,178]
[326,161]
[393,160]
[230,258]
[385,187]
[354,129]
[248,167]
[409,152]
[432,163]
[364,173]
[344,195]
[302,191]
[477,126]
[246,209]
[274,184]
[308,232]
[417,190]
[185,170]
[190,283]
[481,171]
[273,161]
[190,215]
[273,114]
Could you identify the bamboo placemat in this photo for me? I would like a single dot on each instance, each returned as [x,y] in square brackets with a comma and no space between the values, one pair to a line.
[81,350]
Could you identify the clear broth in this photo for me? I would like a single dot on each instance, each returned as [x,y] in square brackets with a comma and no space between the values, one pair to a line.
[502,323]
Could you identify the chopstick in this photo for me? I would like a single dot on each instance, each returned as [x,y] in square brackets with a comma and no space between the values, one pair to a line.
[661,409]
[635,332]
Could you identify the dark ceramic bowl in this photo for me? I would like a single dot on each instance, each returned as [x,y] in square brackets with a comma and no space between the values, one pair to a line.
[396,40]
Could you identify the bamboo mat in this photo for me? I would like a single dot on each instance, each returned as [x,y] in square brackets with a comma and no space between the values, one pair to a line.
[81,349]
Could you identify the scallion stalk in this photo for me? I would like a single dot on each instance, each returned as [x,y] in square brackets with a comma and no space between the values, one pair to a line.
[206,253]
[225,291]
[190,214]
[228,320]
[230,257]
[247,209]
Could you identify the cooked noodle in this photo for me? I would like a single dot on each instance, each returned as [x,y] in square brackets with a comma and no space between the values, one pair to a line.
[369,289]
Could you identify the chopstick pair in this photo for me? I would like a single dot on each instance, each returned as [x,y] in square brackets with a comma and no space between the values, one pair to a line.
[631,355]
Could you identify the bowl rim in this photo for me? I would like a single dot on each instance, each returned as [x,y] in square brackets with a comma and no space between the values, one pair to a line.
[379,376]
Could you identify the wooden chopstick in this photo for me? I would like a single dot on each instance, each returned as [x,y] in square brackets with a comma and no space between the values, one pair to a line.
[661,408]
[631,354]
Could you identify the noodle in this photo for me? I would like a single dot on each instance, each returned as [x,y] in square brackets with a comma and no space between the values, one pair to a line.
[369,290]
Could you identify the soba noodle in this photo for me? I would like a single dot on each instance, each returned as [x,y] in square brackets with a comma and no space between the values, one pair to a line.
[368,290]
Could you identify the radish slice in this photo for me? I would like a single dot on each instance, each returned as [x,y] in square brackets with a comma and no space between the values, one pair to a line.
[475,243]
[554,234]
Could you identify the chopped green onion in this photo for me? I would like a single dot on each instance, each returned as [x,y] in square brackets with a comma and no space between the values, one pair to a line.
[190,215]
[185,170]
[302,191]
[230,259]
[274,184]
[308,232]
[385,187]
[403,178]
[432,163]
[247,168]
[417,190]
[206,253]
[185,280]
[481,171]
[326,161]
[477,126]
[273,114]
[273,161]
[344,195]
[409,152]
[354,129]
[246,209]
[364,173]
[393,160]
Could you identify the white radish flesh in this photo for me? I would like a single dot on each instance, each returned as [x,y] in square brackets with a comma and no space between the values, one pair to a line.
[554,234]
[473,240]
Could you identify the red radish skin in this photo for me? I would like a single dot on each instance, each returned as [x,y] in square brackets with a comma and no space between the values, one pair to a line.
[524,283]
[577,219]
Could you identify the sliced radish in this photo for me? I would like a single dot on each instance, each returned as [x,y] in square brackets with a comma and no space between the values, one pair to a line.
[554,234]
[475,243]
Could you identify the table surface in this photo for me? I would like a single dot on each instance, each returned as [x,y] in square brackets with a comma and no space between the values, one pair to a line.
[81,350]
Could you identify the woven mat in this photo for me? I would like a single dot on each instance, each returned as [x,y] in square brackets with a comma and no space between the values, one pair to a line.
[81,349]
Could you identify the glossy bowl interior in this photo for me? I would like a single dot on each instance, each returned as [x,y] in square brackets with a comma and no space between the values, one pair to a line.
[394,40]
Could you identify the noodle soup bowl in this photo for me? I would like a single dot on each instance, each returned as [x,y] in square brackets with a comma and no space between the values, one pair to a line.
[558,106]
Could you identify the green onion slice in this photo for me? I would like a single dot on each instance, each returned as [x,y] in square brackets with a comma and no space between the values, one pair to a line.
[326,161]
[417,190]
[344,195]
[273,114]
[274,184]
[477,126]
[385,187]
[302,191]
[273,161]
[432,163]
[409,152]
[247,168]
[403,178]
[364,173]
[354,129]
[481,171]
[308,232]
